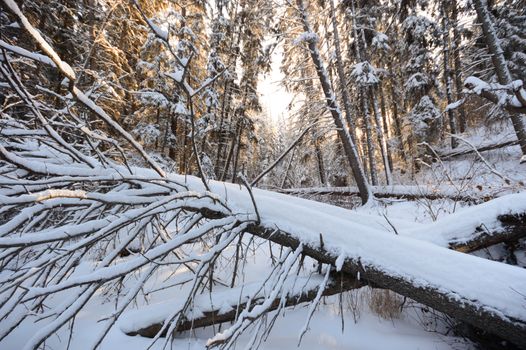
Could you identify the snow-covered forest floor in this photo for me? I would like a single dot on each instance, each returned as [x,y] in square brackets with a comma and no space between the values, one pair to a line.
[359,319]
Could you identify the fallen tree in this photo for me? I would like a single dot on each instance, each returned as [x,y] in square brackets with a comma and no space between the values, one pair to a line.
[485,317]
[138,324]
[490,147]
[513,228]
[398,191]
[351,242]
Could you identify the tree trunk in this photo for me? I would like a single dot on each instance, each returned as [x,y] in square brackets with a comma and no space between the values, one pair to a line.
[281,156]
[500,64]
[221,139]
[448,81]
[455,305]
[515,228]
[381,136]
[319,161]
[369,137]
[286,174]
[343,132]
[339,283]
[385,122]
[230,153]
[458,66]
[238,152]
[481,149]
[341,75]
[396,119]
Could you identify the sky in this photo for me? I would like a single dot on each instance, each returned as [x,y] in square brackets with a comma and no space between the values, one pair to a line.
[273,96]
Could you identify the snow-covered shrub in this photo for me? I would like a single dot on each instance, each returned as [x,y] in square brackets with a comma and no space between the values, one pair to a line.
[148,134]
[417,84]
[425,121]
[364,74]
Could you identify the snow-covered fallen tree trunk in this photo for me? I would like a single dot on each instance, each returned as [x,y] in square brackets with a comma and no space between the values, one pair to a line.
[488,295]
[513,229]
[70,208]
[489,309]
[57,211]
[229,303]
[490,147]
[398,191]
[485,294]
[227,310]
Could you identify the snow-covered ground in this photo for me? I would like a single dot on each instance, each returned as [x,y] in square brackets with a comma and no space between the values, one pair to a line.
[368,332]
[362,329]
[367,233]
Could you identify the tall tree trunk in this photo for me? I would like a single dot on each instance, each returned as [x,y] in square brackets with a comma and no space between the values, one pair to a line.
[457,66]
[501,67]
[381,136]
[221,139]
[369,136]
[230,153]
[386,127]
[236,157]
[319,161]
[341,75]
[364,102]
[396,119]
[448,81]
[289,165]
[332,104]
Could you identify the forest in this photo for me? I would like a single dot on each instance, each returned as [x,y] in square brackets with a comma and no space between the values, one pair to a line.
[262,174]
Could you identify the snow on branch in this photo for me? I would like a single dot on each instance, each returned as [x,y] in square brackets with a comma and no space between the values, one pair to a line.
[505,96]
[305,37]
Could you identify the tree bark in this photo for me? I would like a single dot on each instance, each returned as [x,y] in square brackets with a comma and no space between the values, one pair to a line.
[448,81]
[389,192]
[481,149]
[385,123]
[381,136]
[457,41]
[330,98]
[339,283]
[341,75]
[457,306]
[501,67]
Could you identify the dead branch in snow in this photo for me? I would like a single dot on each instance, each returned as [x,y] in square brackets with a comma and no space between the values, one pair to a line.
[513,229]
[281,156]
[495,96]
